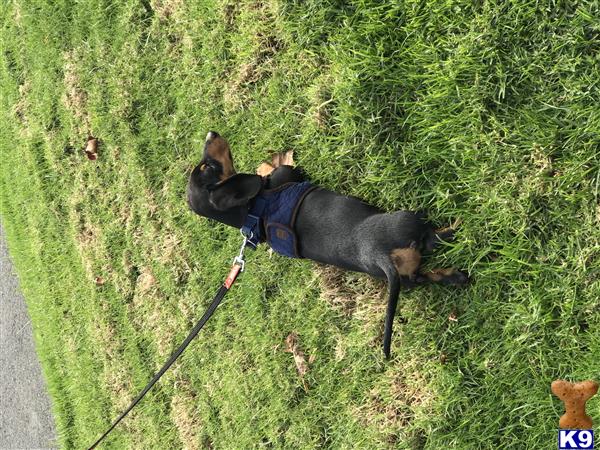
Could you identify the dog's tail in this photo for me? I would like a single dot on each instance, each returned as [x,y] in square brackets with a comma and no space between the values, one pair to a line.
[394,292]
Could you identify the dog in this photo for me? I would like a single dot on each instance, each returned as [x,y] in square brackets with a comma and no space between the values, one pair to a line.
[320,225]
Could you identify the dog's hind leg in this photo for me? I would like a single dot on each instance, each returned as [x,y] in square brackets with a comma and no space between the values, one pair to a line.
[434,237]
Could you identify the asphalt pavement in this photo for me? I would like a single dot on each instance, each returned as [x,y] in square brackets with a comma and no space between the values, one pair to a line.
[26,420]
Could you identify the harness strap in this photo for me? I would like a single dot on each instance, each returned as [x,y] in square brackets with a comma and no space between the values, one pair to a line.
[272,215]
[251,228]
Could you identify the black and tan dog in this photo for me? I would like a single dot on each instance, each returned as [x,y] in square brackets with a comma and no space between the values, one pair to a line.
[329,228]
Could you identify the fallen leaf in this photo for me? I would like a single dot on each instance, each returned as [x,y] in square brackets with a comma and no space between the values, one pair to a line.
[291,346]
[291,342]
[283,159]
[91,148]
[145,281]
[277,160]
[99,281]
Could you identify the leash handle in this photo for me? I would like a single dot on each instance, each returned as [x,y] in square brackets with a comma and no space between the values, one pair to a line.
[238,266]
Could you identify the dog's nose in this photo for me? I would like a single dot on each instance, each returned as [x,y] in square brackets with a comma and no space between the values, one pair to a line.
[212,135]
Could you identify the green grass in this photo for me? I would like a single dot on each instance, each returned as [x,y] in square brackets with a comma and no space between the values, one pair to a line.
[483,111]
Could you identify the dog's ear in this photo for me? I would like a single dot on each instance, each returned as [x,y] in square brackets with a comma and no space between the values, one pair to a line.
[235,191]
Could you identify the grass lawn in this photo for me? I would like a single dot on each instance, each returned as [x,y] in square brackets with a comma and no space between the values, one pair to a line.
[487,112]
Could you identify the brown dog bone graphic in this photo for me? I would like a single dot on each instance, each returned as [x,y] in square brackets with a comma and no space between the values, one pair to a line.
[574,396]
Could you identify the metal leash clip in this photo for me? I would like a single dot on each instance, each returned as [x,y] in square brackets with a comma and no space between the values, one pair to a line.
[239,259]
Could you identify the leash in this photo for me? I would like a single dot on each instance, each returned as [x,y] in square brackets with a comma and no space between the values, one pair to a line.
[238,266]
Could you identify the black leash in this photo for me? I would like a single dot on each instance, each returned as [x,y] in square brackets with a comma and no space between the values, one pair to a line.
[238,266]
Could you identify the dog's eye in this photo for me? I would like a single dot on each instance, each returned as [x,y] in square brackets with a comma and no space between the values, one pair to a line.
[203,166]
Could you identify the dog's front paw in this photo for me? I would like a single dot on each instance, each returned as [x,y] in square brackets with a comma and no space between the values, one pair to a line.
[265,169]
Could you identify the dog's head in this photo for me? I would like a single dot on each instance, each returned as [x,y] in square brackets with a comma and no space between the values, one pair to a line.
[214,189]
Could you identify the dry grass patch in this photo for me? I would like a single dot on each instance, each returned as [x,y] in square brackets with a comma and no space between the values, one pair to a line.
[351,293]
[147,312]
[21,111]
[357,296]
[185,416]
[20,108]
[260,63]
[106,336]
[164,328]
[75,98]
[167,9]
[118,384]
[88,240]
[168,248]
[397,400]
[236,94]
[17,14]
[321,98]
[541,160]
[229,13]
[145,281]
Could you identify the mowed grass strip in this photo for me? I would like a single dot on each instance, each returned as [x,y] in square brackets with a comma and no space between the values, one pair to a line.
[486,113]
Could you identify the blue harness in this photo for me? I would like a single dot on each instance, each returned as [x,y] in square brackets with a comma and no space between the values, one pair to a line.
[272,216]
